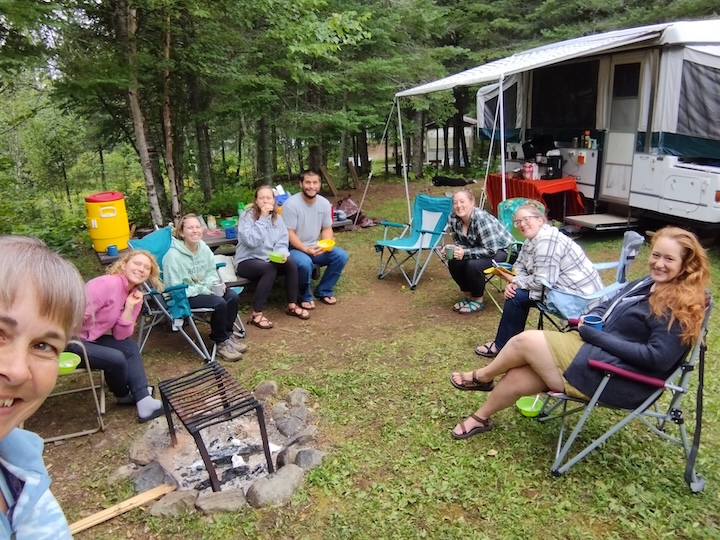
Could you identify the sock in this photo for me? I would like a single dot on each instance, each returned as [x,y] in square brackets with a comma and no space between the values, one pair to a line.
[147,406]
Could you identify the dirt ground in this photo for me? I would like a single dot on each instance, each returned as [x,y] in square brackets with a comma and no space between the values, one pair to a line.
[367,308]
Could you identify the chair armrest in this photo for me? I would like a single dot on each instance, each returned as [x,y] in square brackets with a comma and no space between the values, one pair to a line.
[220,265]
[392,224]
[425,231]
[626,374]
[606,265]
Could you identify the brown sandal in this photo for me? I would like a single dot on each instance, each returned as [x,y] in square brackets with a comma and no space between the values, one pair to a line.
[297,311]
[474,384]
[485,425]
[260,321]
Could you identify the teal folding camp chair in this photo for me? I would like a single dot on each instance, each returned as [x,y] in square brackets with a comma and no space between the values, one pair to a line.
[655,412]
[171,306]
[417,242]
[563,308]
[505,212]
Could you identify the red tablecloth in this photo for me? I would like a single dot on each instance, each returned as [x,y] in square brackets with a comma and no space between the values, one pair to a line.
[540,190]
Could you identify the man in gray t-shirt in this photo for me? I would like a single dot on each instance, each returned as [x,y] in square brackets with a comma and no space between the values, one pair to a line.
[307,216]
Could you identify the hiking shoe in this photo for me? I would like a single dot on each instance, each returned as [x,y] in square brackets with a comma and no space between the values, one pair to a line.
[237,343]
[228,352]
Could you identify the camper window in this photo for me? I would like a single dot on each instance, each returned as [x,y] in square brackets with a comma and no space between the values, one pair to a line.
[564,96]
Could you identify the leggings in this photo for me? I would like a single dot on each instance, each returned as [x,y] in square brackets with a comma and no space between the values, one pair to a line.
[264,273]
[121,362]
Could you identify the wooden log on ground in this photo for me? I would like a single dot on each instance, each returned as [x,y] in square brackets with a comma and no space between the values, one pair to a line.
[120,508]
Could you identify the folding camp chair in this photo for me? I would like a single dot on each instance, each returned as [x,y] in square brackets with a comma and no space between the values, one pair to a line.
[171,306]
[650,412]
[418,241]
[558,306]
[505,212]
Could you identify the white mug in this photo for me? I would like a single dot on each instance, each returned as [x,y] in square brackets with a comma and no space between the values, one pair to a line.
[217,288]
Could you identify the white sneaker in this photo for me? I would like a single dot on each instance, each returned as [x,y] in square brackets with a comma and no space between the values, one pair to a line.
[237,343]
[228,352]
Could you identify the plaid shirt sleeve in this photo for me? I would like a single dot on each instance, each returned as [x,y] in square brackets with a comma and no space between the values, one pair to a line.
[555,258]
[485,236]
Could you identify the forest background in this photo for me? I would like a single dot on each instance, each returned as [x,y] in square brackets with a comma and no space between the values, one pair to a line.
[187,104]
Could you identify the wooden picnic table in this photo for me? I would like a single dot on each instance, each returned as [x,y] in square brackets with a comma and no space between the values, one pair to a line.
[217,240]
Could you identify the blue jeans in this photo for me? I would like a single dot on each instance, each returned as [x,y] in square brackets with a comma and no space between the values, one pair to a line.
[514,317]
[335,260]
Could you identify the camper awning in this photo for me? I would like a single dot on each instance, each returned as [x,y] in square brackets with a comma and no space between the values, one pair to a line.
[539,57]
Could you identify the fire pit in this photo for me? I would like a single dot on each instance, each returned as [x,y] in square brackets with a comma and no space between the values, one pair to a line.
[206,397]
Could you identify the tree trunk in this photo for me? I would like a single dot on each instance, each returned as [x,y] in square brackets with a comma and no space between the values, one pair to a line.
[299,148]
[315,157]
[273,149]
[264,167]
[138,118]
[176,206]
[417,144]
[363,152]
[103,178]
[202,136]
[446,140]
[239,146]
[344,151]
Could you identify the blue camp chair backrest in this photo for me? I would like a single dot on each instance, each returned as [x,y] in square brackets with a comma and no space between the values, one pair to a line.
[632,242]
[431,214]
[506,212]
[157,242]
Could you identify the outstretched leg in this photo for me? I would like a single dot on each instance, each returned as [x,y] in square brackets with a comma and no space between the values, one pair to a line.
[528,367]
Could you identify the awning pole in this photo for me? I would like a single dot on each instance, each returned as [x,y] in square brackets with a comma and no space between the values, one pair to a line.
[404,163]
[501,103]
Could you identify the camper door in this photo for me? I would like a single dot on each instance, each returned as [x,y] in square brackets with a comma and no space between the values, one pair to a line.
[625,105]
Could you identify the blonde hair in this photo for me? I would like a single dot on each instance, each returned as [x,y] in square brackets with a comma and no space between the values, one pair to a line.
[683,299]
[119,266]
[59,288]
[535,208]
[467,193]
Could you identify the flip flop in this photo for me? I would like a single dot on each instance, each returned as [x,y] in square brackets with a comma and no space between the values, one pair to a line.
[303,314]
[486,350]
[485,425]
[308,305]
[472,306]
[329,300]
[476,384]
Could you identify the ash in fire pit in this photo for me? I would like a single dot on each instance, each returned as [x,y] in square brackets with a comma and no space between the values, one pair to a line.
[235,447]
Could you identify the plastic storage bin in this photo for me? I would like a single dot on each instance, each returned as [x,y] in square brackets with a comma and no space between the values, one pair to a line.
[107,220]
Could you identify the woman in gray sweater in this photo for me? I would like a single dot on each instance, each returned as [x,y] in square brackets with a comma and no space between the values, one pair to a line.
[648,328]
[262,231]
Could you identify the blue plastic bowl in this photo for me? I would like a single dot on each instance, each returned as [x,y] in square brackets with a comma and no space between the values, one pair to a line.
[231,232]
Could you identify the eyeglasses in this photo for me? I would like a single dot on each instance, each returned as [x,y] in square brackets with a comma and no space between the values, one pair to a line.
[520,221]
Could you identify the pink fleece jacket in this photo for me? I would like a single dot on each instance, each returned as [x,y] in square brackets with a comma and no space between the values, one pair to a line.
[106,297]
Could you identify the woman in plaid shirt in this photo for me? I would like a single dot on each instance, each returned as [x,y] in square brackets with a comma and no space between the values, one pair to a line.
[478,239]
[548,255]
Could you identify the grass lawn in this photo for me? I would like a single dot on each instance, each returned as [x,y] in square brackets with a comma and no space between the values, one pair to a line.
[385,411]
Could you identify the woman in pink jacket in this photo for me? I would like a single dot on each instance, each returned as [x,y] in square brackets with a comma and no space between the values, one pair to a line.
[113,303]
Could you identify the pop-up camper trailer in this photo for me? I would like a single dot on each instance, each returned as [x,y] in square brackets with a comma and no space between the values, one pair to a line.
[650,98]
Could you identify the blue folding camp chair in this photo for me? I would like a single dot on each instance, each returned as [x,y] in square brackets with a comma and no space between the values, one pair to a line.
[559,306]
[418,241]
[654,414]
[171,306]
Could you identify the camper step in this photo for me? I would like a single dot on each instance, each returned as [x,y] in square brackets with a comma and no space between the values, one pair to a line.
[603,222]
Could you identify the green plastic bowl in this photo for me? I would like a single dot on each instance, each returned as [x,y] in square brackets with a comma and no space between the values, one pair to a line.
[276,257]
[231,222]
[525,404]
[68,362]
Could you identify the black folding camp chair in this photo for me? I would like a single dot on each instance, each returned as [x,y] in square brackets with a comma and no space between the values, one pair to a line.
[654,412]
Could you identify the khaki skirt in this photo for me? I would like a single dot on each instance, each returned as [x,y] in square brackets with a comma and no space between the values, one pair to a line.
[564,346]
